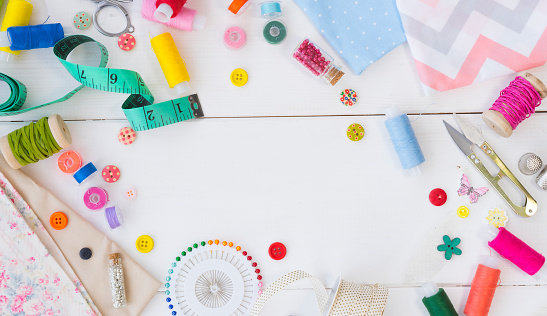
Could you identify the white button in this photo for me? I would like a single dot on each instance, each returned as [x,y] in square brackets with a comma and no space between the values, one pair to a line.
[130,194]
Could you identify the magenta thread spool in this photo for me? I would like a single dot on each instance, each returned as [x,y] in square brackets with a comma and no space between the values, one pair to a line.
[95,198]
[515,250]
[317,62]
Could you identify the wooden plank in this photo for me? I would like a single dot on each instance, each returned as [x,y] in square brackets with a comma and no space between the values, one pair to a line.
[277,85]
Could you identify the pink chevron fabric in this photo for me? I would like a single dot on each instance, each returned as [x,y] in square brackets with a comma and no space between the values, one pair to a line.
[455,43]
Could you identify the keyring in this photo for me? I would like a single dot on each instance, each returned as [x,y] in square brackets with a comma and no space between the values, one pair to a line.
[128,29]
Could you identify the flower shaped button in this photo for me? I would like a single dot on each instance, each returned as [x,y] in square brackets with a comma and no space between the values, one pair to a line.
[126,41]
[127,136]
[111,173]
[497,218]
[348,97]
[449,247]
[82,20]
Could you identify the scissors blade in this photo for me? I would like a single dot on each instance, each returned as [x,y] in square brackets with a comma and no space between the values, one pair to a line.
[463,143]
[469,131]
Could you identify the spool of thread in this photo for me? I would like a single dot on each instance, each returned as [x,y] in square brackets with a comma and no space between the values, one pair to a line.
[17,14]
[36,141]
[172,65]
[515,250]
[270,9]
[69,161]
[95,198]
[186,20]
[168,9]
[113,217]
[234,37]
[274,32]
[404,140]
[436,301]
[483,288]
[515,104]
[32,37]
[85,173]
[237,7]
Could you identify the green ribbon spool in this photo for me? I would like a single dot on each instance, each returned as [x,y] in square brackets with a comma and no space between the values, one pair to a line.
[274,32]
[139,109]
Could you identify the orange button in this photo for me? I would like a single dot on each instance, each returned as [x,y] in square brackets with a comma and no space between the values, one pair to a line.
[58,220]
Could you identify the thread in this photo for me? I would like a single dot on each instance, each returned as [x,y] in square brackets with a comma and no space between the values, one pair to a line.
[482,291]
[274,32]
[33,142]
[85,173]
[17,14]
[517,251]
[405,142]
[517,101]
[183,21]
[238,6]
[35,36]
[234,37]
[113,217]
[439,304]
[176,5]
[171,63]
[270,9]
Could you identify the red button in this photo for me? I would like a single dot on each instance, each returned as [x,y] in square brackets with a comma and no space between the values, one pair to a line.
[437,197]
[277,251]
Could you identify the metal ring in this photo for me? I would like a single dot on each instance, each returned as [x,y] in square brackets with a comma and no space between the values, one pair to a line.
[128,29]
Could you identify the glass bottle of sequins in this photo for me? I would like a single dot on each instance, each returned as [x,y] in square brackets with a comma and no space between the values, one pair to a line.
[117,285]
[317,62]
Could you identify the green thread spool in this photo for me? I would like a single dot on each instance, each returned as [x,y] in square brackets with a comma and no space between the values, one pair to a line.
[274,32]
[35,142]
[439,304]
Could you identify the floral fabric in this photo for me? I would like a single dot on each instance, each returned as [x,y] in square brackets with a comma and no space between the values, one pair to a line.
[32,283]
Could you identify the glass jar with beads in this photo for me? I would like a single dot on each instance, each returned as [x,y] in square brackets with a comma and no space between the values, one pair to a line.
[115,270]
[317,61]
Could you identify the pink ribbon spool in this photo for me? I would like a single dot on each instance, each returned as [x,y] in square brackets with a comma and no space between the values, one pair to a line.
[95,198]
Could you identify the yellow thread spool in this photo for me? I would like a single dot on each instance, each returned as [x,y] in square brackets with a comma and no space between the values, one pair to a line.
[174,68]
[17,14]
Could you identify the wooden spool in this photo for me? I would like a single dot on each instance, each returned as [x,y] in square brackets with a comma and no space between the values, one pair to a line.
[495,119]
[60,133]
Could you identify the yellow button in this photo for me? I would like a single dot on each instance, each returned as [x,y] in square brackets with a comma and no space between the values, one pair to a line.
[145,243]
[463,211]
[239,77]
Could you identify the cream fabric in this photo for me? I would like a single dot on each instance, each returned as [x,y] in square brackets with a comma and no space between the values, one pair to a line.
[93,273]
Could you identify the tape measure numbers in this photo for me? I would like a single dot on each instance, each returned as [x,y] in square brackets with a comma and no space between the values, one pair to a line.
[138,107]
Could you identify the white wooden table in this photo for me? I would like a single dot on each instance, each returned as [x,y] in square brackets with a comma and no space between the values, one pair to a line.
[271,162]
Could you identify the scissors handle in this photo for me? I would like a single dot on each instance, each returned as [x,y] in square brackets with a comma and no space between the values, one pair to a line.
[530,207]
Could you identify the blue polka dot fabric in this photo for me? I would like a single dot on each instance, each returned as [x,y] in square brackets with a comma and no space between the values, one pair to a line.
[360,31]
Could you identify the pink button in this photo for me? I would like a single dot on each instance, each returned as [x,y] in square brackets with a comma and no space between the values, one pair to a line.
[111,174]
[95,198]
[130,194]
[127,136]
[126,42]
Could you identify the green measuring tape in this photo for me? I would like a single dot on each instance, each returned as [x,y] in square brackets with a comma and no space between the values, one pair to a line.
[138,107]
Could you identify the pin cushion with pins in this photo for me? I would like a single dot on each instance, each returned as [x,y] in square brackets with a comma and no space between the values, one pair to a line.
[212,278]
[530,163]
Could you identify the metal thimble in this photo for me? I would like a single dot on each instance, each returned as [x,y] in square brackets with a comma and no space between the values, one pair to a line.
[530,163]
[541,180]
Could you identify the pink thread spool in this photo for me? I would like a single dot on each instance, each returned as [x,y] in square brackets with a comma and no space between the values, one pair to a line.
[516,103]
[95,198]
[515,250]
[317,62]
[234,38]
[186,20]
[168,9]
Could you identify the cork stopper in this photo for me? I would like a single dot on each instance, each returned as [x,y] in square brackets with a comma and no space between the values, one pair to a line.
[114,256]
[334,75]
[495,119]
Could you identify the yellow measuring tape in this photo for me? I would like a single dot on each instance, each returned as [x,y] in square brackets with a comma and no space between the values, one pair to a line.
[138,107]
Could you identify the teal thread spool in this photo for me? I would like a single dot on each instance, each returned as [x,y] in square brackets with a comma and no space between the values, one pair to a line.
[275,32]
[404,140]
[436,301]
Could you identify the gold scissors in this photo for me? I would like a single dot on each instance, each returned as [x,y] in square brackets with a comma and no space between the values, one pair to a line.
[465,142]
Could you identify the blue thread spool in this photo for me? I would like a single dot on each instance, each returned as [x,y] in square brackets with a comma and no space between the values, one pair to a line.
[85,173]
[404,140]
[270,9]
[32,36]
